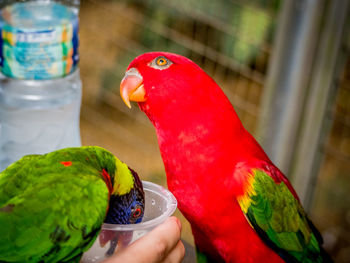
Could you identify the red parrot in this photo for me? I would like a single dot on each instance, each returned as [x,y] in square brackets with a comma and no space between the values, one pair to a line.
[240,206]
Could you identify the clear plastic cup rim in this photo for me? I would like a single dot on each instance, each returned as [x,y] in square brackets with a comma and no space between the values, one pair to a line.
[171,207]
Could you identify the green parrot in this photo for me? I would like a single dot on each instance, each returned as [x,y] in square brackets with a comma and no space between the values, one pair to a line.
[52,206]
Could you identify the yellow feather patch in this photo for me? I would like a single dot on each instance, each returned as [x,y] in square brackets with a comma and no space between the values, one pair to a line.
[245,199]
[125,180]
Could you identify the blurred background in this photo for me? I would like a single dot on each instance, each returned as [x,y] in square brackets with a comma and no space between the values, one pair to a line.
[283,64]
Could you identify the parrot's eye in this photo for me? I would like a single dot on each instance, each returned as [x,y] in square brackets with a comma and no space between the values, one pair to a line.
[136,213]
[160,63]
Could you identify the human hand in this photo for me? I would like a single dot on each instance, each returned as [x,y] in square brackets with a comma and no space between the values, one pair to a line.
[162,244]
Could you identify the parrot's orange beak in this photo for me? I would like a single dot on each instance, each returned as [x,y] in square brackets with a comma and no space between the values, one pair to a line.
[131,87]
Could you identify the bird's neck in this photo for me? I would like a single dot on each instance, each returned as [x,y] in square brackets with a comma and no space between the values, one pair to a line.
[201,141]
[123,178]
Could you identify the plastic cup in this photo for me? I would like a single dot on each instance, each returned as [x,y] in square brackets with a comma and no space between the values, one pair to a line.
[160,203]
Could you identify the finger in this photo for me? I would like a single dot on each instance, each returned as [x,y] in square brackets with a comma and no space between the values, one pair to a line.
[154,246]
[160,241]
[176,255]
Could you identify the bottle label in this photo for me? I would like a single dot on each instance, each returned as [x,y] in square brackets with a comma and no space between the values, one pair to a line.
[36,37]
[38,40]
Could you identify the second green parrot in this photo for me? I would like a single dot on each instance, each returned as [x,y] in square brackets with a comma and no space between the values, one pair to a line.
[52,206]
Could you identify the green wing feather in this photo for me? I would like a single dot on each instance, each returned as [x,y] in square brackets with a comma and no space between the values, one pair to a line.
[50,212]
[279,219]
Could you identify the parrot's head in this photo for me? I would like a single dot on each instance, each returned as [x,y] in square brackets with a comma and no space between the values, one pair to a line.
[163,83]
[127,198]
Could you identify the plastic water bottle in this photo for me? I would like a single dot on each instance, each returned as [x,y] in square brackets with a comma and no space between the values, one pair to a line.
[40,86]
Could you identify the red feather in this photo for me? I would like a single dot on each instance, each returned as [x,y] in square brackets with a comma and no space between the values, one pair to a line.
[108,181]
[67,163]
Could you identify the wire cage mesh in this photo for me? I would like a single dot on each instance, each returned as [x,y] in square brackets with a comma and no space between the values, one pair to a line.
[331,206]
